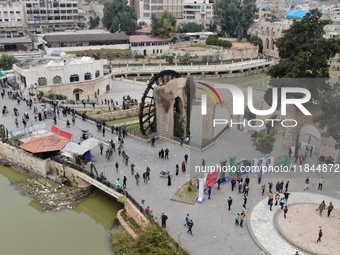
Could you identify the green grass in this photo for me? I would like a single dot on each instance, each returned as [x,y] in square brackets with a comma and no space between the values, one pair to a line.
[152,240]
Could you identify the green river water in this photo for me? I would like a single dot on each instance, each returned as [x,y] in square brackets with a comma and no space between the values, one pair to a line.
[27,230]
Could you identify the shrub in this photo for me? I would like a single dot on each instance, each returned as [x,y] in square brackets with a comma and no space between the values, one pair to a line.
[189,188]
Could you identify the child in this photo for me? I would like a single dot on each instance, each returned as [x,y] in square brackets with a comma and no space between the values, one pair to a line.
[237,219]
[285,211]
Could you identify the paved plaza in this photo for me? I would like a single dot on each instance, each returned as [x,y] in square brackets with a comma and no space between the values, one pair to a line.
[214,231]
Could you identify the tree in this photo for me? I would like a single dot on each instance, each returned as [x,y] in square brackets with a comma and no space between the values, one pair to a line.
[265,143]
[330,116]
[119,16]
[191,27]
[257,41]
[234,16]
[164,26]
[94,21]
[304,53]
[6,62]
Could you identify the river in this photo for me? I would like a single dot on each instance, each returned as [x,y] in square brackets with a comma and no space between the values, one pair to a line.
[27,229]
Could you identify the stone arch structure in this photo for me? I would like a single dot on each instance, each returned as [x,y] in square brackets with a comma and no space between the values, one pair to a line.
[178,117]
[173,104]
[272,44]
[310,134]
[98,92]
[267,43]
[77,96]
[107,88]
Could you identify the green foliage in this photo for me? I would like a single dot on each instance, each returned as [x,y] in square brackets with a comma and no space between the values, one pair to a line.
[137,56]
[56,97]
[122,199]
[265,143]
[330,115]
[164,26]
[189,188]
[248,115]
[190,27]
[212,26]
[186,59]
[94,21]
[256,40]
[234,16]
[117,12]
[213,40]
[304,53]
[6,62]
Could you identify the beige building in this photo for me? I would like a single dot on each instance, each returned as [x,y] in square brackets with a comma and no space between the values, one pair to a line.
[62,74]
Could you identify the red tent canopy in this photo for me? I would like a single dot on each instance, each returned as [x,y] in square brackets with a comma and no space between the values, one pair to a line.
[45,144]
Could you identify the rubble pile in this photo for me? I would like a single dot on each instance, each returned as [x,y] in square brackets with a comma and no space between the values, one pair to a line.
[52,196]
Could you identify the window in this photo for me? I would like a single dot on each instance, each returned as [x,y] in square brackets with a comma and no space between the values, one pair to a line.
[87,76]
[11,12]
[42,81]
[74,78]
[57,79]
[97,74]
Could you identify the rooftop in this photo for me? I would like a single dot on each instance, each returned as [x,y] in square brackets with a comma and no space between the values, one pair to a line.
[146,38]
[84,35]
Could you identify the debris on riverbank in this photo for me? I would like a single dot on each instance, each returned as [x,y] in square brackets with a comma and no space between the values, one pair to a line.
[52,196]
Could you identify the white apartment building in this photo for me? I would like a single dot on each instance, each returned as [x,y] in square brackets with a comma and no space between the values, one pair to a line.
[53,15]
[200,11]
[11,19]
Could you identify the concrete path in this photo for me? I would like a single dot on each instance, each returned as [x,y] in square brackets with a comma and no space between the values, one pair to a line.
[214,231]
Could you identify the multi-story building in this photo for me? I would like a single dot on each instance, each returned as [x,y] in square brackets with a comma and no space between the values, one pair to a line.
[53,15]
[200,11]
[11,19]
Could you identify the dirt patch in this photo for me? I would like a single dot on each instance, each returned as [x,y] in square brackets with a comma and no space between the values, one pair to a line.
[184,195]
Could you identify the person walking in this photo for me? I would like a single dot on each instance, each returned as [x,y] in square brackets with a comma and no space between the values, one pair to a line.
[270,186]
[117,165]
[166,153]
[190,225]
[164,218]
[218,183]
[306,183]
[320,235]
[169,179]
[132,168]
[237,220]
[153,139]
[244,201]
[117,183]
[281,186]
[321,207]
[230,201]
[186,158]
[270,200]
[177,169]
[124,182]
[321,182]
[240,186]
[277,198]
[263,188]
[277,186]
[101,147]
[286,194]
[137,177]
[183,167]
[209,192]
[233,183]
[329,209]
[285,211]
[187,220]
[286,186]
[242,216]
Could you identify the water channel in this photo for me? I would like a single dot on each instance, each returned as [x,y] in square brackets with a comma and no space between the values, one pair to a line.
[27,229]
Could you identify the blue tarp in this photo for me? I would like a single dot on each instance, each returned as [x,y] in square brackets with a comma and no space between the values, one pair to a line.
[296,14]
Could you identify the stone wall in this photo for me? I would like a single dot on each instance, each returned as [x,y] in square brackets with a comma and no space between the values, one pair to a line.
[133,212]
[118,114]
[24,159]
[70,173]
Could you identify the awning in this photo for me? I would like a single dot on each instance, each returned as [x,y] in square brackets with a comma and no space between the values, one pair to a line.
[77,90]
[90,143]
[45,144]
[73,148]
[56,130]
